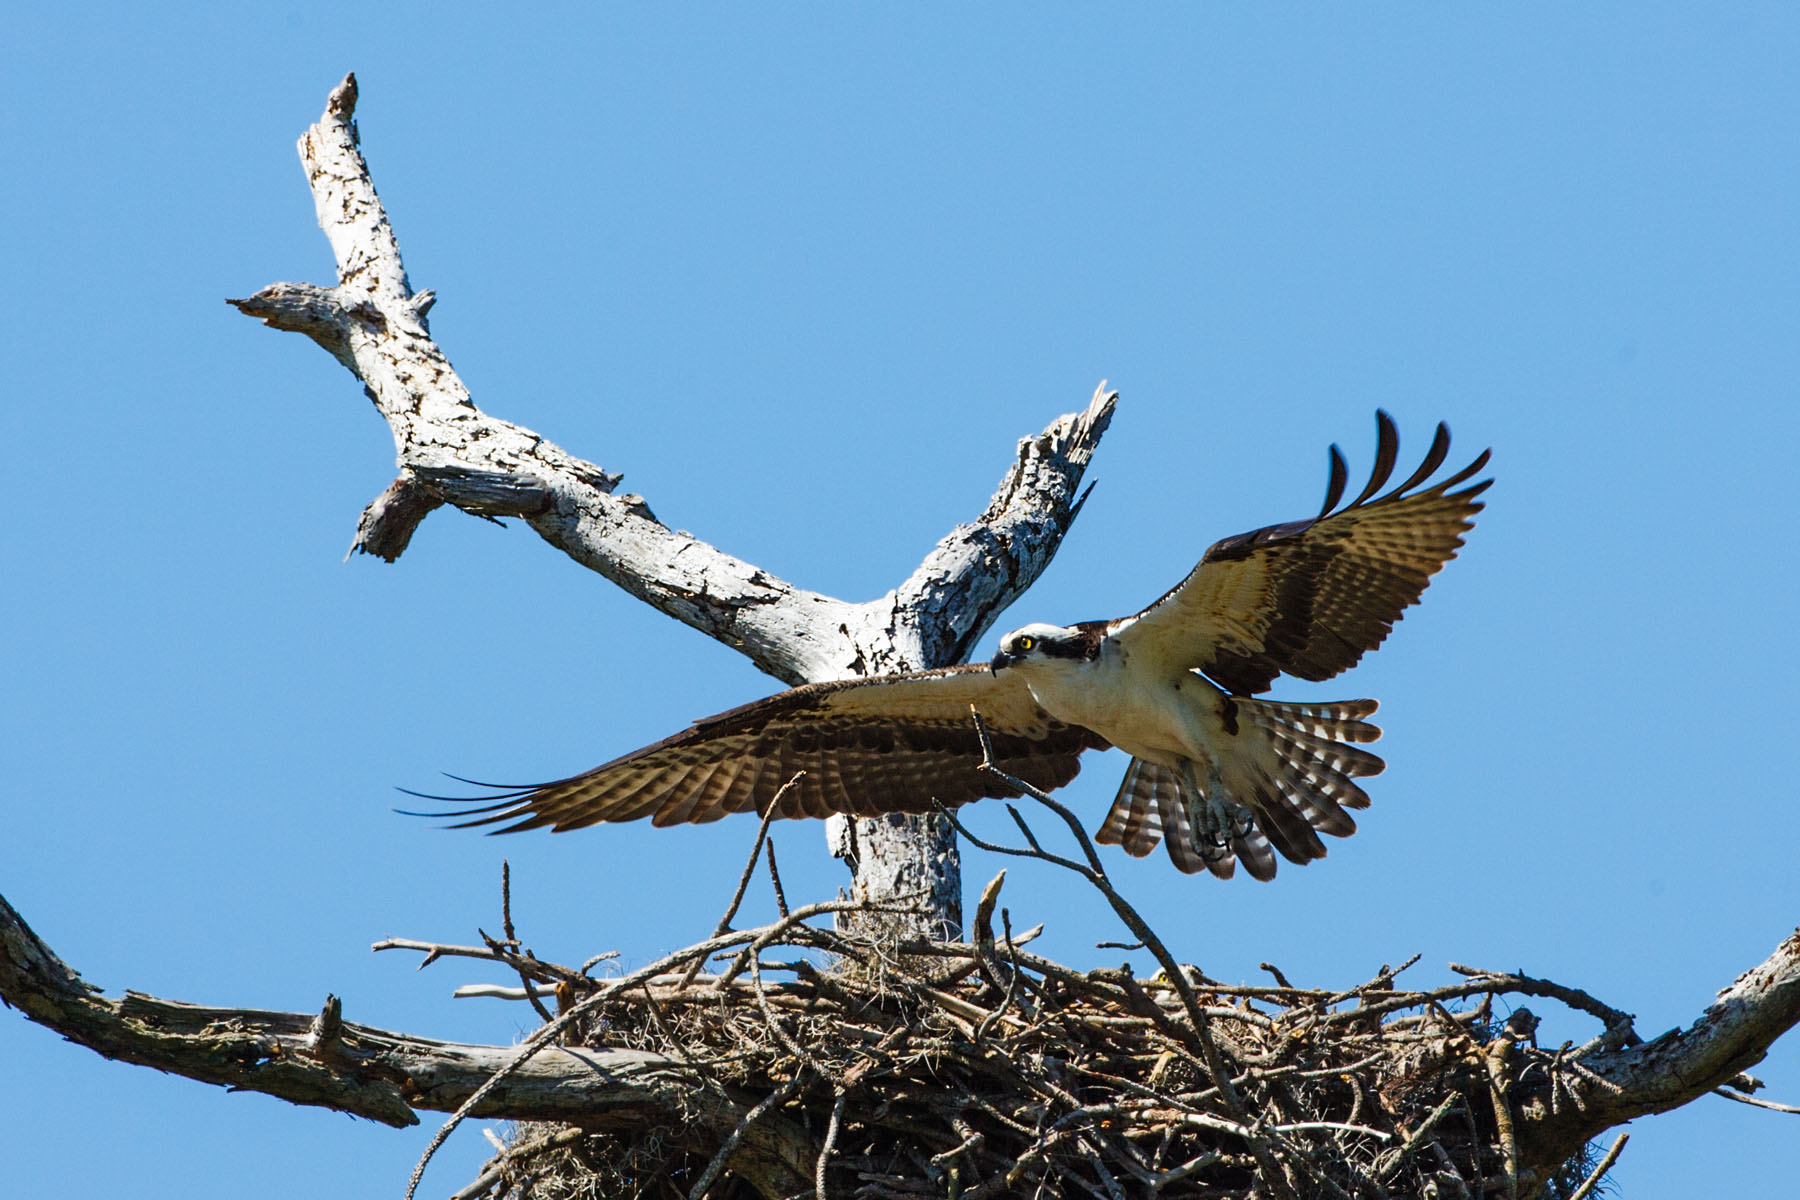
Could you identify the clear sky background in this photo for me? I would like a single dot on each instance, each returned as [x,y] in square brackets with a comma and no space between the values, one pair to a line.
[804,275]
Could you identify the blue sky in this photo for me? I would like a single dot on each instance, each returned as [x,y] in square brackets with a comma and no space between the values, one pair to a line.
[804,275]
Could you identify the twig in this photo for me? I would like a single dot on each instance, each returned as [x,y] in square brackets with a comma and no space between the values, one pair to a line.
[831,1135]
[662,1027]
[1417,1139]
[1494,1059]
[1107,1181]
[496,1170]
[1380,1135]
[512,938]
[1606,1164]
[1177,1174]
[775,1027]
[973,1139]
[779,1096]
[756,940]
[781,904]
[1383,981]
[1618,1024]
[984,934]
[506,921]
[537,1041]
[762,832]
[1095,873]
[544,972]
[1741,1098]
[743,883]
[500,991]
[1012,978]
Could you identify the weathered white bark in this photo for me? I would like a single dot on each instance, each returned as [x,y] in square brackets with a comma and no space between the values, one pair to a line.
[450,452]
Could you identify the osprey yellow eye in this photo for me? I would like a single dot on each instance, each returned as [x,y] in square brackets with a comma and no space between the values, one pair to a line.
[1026,643]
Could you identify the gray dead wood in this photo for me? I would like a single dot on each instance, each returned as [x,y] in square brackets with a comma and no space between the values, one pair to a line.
[1556,1104]
[1618,1085]
[322,1060]
[450,452]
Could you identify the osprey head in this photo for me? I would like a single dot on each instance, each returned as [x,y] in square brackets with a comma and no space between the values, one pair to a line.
[1041,643]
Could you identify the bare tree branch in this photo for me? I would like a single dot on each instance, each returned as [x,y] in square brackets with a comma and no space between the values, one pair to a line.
[324,1061]
[449,451]
[1732,1035]
[943,1034]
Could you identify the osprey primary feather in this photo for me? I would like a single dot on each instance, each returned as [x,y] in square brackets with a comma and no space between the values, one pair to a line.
[1217,776]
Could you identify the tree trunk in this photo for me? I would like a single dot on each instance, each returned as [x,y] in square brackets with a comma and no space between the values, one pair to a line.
[902,861]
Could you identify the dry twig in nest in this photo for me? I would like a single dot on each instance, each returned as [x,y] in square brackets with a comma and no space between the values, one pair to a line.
[981,1069]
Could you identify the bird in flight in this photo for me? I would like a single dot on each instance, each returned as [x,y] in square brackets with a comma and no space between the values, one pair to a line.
[1217,776]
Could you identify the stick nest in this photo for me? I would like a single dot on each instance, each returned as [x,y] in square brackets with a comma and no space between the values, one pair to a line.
[981,1069]
[890,1069]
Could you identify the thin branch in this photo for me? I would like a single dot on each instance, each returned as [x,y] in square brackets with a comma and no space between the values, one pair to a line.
[1618,1024]
[511,941]
[1095,873]
[737,897]
[497,1169]
[1730,1036]
[781,904]
[1495,1062]
[831,1135]
[506,921]
[762,832]
[773,1100]
[1418,1136]
[1741,1098]
[1599,1172]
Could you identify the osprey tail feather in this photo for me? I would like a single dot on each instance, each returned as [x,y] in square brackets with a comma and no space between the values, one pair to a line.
[1292,767]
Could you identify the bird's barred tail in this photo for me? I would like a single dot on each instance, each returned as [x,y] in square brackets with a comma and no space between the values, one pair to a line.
[1292,768]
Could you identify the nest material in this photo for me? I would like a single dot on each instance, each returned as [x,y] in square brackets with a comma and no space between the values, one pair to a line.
[927,1069]
[983,1070]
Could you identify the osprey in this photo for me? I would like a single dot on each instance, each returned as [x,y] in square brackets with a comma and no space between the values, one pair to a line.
[1217,776]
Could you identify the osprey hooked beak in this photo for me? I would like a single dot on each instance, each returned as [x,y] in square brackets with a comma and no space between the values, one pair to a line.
[1009,653]
[1020,645]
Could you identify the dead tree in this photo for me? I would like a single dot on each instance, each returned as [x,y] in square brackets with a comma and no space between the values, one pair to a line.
[450,452]
[930,1064]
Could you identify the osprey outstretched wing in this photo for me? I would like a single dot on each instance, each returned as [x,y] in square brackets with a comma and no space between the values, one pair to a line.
[1310,598]
[1216,775]
[889,743]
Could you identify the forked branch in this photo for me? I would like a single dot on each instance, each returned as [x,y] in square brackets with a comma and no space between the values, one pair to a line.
[451,452]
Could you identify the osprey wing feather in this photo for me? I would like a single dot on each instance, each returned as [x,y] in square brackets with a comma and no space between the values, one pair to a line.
[1310,598]
[894,743]
[1216,777]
